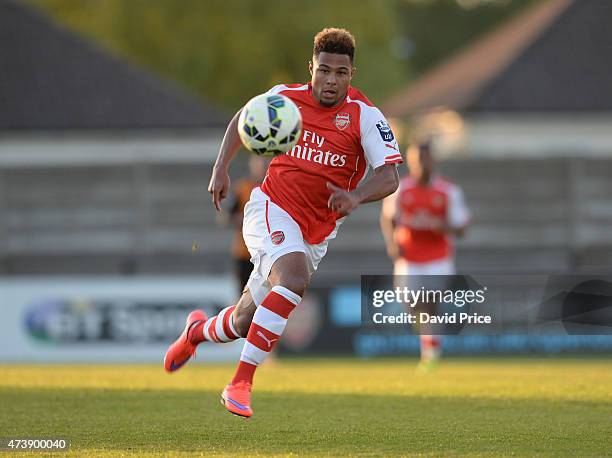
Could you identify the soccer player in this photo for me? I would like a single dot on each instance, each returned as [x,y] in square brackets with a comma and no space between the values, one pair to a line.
[418,223]
[290,219]
[242,193]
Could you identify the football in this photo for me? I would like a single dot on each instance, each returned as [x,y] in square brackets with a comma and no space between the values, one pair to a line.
[269,124]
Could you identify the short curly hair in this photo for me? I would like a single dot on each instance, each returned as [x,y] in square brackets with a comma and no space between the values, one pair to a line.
[335,41]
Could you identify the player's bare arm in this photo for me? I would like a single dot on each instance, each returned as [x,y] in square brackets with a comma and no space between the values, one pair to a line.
[384,182]
[387,226]
[446,228]
[219,181]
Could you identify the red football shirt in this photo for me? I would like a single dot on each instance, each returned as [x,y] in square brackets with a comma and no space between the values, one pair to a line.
[336,145]
[418,210]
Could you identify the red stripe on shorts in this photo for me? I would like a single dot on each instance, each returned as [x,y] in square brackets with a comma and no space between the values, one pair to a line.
[267,223]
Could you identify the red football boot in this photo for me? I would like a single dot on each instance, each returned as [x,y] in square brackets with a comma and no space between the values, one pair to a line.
[183,349]
[237,399]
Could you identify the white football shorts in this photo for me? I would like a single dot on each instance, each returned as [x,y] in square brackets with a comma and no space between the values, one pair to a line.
[270,232]
[429,275]
[444,266]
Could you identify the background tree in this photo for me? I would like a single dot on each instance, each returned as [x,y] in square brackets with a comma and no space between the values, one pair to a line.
[229,50]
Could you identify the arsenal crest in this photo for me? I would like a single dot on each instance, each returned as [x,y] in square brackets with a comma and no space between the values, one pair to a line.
[277,237]
[342,121]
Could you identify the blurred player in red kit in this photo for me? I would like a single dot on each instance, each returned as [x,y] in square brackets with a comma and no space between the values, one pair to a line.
[290,219]
[419,222]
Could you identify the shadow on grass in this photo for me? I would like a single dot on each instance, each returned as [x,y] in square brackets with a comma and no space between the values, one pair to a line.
[160,422]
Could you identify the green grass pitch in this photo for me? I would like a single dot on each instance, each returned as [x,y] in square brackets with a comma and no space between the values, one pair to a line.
[315,407]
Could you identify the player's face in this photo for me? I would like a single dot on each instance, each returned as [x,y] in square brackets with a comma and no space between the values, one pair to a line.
[420,162]
[331,75]
[258,166]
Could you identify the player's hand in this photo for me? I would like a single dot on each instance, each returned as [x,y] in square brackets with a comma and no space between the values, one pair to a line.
[441,226]
[393,251]
[219,187]
[341,201]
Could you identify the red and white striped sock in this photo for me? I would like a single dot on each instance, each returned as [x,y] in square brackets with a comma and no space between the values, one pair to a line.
[268,324]
[430,347]
[219,329]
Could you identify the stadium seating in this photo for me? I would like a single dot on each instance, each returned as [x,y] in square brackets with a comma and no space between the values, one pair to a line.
[536,215]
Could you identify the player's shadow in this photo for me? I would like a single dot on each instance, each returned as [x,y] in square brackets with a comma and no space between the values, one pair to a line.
[113,421]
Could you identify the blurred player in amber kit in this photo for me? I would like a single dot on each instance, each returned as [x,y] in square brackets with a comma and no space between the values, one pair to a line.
[419,222]
[242,193]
